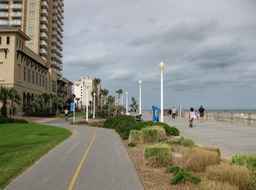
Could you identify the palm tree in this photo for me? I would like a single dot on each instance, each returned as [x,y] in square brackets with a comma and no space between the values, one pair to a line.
[96,85]
[104,93]
[9,96]
[110,102]
[134,104]
[119,93]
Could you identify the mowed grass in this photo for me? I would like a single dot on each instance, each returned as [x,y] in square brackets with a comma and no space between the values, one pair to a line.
[23,144]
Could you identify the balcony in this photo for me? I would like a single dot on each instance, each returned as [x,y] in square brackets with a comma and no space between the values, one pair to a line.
[16,22]
[3,14]
[16,6]
[43,51]
[43,44]
[4,22]
[17,0]
[16,14]
[43,36]
[43,28]
[4,6]
[44,12]
[44,4]
[44,20]
[4,0]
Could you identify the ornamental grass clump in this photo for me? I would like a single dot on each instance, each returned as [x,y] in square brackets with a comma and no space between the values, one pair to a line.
[134,136]
[197,159]
[248,161]
[152,134]
[186,142]
[216,185]
[158,155]
[232,174]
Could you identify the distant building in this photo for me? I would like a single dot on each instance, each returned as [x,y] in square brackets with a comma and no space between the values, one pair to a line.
[31,45]
[80,90]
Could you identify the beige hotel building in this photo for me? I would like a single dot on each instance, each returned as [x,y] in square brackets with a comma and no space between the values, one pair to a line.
[31,46]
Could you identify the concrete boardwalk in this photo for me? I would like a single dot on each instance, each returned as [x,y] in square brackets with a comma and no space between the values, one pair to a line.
[230,138]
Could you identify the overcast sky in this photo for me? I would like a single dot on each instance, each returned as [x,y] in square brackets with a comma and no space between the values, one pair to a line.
[208,47]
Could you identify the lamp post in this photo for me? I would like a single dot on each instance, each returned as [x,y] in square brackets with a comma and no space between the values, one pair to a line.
[161,66]
[126,103]
[87,97]
[94,105]
[140,82]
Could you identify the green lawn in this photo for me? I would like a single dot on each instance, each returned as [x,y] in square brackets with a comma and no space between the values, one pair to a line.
[23,144]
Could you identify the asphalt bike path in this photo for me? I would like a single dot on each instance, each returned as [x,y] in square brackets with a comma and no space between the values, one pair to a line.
[92,159]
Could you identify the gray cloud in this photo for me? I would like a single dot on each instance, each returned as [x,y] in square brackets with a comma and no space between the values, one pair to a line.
[208,50]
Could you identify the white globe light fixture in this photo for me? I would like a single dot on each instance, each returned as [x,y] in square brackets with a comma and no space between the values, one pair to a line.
[127,113]
[94,105]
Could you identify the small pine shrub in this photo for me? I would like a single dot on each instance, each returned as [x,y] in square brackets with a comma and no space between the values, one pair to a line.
[182,175]
[158,155]
[232,174]
[197,159]
[216,185]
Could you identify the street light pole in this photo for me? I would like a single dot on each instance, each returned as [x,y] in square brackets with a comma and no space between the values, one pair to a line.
[87,99]
[94,105]
[140,82]
[161,66]
[126,103]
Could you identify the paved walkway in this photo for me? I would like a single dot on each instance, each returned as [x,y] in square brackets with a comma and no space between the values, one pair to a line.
[92,158]
[230,138]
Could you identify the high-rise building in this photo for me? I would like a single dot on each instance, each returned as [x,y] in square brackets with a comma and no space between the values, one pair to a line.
[31,40]
[42,21]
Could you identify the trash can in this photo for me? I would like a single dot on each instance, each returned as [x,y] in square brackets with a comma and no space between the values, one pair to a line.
[155,113]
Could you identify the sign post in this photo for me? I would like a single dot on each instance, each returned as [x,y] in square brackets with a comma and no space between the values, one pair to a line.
[72,109]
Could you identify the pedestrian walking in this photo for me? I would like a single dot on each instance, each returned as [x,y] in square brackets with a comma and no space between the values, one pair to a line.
[66,114]
[201,112]
[192,116]
[173,112]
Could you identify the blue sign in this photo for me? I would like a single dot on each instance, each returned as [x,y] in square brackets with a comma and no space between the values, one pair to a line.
[155,113]
[72,107]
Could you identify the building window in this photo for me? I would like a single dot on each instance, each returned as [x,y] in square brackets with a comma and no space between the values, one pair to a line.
[31,46]
[33,77]
[31,37]
[32,5]
[24,74]
[31,21]
[54,86]
[36,79]
[31,13]
[8,40]
[28,75]
[40,80]
[31,29]
[46,83]
[0,40]
[43,81]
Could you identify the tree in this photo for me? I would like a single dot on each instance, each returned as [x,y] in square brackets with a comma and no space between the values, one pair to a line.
[104,93]
[119,93]
[96,85]
[134,104]
[110,102]
[9,98]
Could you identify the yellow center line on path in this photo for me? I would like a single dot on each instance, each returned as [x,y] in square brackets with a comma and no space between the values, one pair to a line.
[80,165]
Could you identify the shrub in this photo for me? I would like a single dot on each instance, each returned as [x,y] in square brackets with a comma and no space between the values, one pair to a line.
[232,174]
[3,119]
[122,124]
[152,134]
[158,155]
[186,142]
[210,148]
[197,159]
[134,136]
[169,130]
[248,161]
[132,144]
[216,185]
[182,175]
